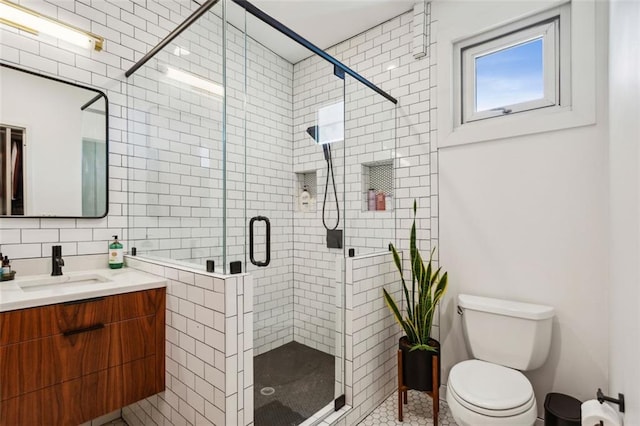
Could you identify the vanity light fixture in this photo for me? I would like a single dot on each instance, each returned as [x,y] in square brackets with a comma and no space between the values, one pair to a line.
[35,23]
[194,81]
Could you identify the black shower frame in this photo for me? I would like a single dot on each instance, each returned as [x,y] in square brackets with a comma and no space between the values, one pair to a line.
[339,68]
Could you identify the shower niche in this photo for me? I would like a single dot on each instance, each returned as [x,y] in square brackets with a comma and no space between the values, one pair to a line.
[377,186]
[306,179]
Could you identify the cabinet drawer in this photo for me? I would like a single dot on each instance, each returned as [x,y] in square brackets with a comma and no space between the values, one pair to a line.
[39,363]
[32,323]
[82,399]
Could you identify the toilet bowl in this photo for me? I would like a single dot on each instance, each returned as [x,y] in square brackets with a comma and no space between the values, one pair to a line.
[482,393]
[503,337]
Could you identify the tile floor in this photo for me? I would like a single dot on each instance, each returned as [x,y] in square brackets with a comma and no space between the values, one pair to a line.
[297,393]
[419,411]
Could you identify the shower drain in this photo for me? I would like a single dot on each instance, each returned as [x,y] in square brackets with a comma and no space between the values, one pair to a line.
[267,391]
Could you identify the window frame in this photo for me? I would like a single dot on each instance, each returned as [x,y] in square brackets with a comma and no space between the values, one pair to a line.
[552,26]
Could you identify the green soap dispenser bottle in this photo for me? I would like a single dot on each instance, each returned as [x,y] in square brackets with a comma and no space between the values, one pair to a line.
[115,254]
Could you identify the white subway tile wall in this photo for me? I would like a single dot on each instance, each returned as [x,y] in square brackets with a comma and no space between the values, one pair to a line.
[209,360]
[420,28]
[384,55]
[371,333]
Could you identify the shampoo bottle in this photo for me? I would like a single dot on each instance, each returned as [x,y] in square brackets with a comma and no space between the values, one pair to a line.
[380,201]
[6,266]
[388,202]
[305,199]
[115,254]
[371,199]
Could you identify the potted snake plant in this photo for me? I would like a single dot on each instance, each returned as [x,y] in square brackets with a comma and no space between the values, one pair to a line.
[427,288]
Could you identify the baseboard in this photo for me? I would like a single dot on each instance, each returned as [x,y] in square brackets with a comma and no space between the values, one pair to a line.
[443,393]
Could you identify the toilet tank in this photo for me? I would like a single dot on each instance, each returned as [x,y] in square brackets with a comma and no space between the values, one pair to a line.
[513,334]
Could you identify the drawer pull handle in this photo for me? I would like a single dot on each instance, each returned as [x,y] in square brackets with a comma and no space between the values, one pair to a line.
[76,302]
[83,330]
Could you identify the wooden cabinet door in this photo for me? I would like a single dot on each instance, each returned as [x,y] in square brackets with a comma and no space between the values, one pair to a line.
[69,363]
[85,398]
[33,323]
[39,363]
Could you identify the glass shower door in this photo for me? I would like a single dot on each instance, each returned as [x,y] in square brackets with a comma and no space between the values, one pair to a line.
[319,227]
[289,121]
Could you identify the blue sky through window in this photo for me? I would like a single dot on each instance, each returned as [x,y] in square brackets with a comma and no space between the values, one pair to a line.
[510,76]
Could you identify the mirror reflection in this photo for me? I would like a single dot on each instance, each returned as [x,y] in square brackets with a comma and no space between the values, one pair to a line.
[53,147]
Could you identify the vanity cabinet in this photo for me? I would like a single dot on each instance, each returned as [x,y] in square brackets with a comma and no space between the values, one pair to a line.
[68,363]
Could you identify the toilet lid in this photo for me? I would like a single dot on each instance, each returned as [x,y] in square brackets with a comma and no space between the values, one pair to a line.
[489,386]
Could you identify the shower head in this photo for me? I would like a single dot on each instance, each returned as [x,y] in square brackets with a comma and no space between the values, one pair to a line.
[313,132]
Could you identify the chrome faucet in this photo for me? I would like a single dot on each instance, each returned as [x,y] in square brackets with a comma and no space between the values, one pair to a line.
[57,262]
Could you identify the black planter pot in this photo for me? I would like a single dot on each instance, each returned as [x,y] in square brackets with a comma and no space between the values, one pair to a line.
[417,367]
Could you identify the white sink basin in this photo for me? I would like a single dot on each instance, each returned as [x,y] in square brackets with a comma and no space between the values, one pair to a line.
[61,282]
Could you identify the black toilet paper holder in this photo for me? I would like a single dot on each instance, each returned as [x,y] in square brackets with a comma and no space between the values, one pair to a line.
[602,398]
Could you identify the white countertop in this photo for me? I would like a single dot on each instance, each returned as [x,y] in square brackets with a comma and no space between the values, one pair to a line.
[39,290]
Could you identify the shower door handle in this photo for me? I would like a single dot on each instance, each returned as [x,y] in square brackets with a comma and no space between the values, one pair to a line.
[268,240]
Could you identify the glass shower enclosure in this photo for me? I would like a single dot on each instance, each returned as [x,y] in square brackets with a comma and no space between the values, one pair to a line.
[249,149]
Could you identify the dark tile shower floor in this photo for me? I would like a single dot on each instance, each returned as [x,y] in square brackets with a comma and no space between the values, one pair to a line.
[303,380]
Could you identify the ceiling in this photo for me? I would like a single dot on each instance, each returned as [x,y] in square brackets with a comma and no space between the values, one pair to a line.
[324,23]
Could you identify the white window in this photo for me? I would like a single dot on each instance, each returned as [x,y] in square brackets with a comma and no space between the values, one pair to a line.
[331,123]
[513,69]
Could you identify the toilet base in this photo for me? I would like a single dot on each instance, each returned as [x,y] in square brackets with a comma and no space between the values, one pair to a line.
[465,417]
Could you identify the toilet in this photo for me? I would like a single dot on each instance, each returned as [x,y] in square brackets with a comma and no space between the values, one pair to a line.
[503,337]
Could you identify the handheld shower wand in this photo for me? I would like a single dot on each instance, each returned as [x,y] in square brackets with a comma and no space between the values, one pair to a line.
[327,151]
[326,148]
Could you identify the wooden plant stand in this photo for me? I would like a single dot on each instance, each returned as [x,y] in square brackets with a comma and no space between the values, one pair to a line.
[434,394]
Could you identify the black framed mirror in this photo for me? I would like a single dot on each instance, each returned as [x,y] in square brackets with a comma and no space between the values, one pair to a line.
[54,147]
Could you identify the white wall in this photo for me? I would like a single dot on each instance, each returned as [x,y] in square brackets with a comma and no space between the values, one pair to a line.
[525,218]
[624,184]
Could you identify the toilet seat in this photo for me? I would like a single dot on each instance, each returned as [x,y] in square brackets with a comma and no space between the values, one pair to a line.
[490,389]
